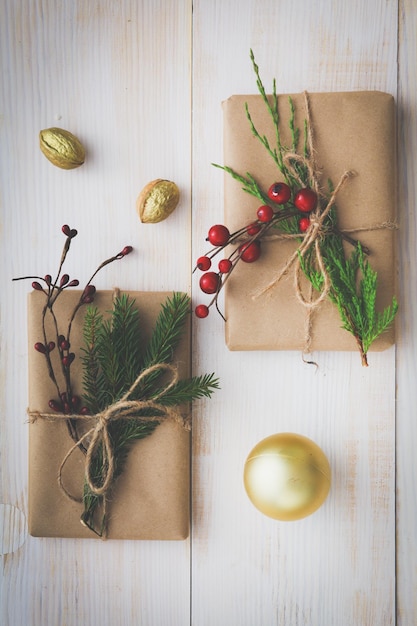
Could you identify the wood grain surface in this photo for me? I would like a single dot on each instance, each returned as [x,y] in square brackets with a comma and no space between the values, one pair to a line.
[141,84]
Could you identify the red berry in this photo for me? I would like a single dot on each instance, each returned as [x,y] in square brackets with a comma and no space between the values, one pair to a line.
[250,252]
[279,193]
[303,224]
[253,228]
[201,310]
[51,346]
[48,279]
[265,213]
[126,250]
[37,286]
[305,200]
[210,282]
[39,347]
[74,283]
[218,235]
[225,265]
[203,263]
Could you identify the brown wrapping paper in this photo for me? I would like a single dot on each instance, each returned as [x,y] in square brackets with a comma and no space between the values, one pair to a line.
[150,500]
[351,131]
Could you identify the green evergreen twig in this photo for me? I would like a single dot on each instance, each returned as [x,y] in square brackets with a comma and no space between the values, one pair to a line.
[114,356]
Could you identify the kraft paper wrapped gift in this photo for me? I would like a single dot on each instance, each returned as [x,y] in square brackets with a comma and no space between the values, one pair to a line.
[150,499]
[351,131]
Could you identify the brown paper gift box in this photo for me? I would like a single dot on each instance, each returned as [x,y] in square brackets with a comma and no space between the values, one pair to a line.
[150,500]
[351,131]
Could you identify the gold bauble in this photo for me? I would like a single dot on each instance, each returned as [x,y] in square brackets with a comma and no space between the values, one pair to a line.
[157,201]
[287,476]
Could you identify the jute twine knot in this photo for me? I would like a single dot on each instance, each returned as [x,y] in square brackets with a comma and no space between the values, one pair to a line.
[99,435]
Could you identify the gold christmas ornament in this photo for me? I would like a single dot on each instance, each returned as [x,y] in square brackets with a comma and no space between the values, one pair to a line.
[62,148]
[287,476]
[157,201]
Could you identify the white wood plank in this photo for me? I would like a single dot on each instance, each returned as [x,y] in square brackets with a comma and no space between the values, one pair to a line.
[338,566]
[117,75]
[120,79]
[407,348]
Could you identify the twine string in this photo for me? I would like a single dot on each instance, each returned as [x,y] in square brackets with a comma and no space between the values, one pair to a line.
[99,435]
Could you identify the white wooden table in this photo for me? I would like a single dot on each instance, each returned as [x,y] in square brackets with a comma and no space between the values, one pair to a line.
[141,83]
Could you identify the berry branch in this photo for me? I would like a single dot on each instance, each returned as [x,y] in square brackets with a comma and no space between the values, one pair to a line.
[66,401]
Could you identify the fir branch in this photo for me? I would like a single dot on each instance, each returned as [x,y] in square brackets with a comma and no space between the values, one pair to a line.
[116,355]
[166,335]
[188,390]
[95,391]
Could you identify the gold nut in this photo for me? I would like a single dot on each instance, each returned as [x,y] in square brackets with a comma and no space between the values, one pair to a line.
[157,200]
[62,148]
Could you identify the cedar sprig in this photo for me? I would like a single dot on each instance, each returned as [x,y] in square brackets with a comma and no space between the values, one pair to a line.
[353,290]
[357,305]
[248,182]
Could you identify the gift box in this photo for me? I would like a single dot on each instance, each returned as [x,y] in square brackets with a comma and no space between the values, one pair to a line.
[351,131]
[150,499]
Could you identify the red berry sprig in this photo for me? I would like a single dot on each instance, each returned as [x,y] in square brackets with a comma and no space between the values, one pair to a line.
[66,402]
[248,239]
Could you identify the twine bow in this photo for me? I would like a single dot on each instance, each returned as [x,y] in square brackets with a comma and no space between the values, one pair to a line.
[99,436]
